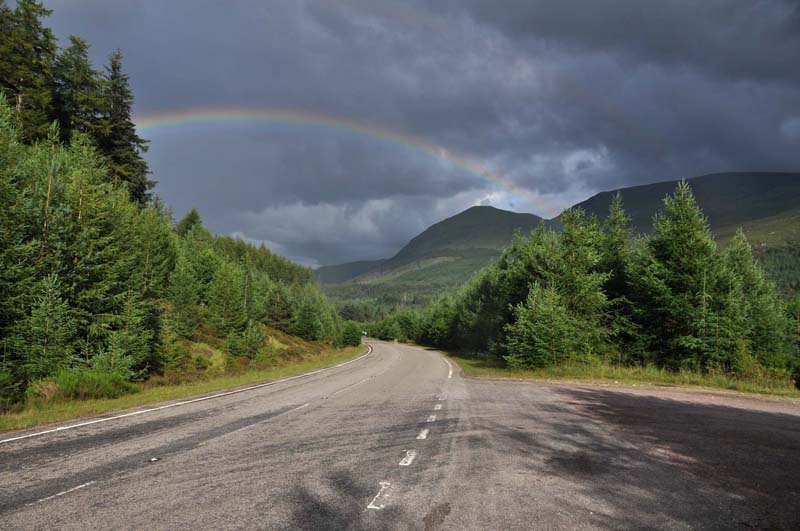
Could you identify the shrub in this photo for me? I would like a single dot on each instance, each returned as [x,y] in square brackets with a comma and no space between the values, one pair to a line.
[80,385]
[350,335]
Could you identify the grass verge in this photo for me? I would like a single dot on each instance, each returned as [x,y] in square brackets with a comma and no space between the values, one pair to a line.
[488,368]
[37,414]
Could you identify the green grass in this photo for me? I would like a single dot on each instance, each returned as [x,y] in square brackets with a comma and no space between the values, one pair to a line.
[36,414]
[488,368]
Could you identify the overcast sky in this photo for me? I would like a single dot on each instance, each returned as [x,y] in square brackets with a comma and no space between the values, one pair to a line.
[559,98]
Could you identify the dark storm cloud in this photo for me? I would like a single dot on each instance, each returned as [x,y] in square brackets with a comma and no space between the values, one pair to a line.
[740,39]
[560,99]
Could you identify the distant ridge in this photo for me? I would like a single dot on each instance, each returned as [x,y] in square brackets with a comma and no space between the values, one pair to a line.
[472,236]
[765,204]
[729,200]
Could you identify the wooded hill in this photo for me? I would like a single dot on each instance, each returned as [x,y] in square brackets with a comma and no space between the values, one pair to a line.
[595,293]
[98,286]
[765,205]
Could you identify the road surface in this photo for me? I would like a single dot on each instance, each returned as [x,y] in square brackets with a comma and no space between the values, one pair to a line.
[399,440]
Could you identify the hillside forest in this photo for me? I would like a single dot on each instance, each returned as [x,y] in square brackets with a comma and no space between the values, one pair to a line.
[99,287]
[593,293]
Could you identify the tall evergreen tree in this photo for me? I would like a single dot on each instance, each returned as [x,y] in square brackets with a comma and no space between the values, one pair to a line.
[544,333]
[79,97]
[306,322]
[615,249]
[684,295]
[119,141]
[280,307]
[764,313]
[226,302]
[188,222]
[183,293]
[27,56]
[48,335]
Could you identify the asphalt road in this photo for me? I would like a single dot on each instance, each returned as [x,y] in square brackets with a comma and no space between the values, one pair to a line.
[399,440]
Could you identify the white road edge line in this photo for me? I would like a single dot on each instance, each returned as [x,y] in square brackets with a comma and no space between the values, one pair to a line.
[449,368]
[409,458]
[384,485]
[185,402]
[63,492]
[437,407]
[431,418]
[423,434]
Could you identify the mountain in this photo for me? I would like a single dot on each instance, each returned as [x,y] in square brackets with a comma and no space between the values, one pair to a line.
[335,274]
[445,253]
[765,205]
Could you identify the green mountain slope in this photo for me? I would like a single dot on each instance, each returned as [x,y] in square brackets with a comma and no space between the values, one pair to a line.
[444,254]
[766,205]
[343,272]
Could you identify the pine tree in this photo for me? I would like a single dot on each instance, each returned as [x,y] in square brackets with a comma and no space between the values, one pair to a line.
[189,221]
[306,322]
[543,333]
[155,248]
[48,335]
[27,56]
[764,319]
[119,141]
[682,290]
[280,307]
[79,98]
[615,249]
[129,346]
[203,259]
[226,304]
[183,294]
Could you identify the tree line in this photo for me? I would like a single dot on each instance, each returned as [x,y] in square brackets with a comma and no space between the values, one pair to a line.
[94,282]
[595,293]
[45,83]
[98,286]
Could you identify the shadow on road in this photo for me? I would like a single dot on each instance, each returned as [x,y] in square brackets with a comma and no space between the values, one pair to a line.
[649,461]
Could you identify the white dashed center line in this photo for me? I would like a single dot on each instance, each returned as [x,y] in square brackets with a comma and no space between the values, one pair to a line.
[409,458]
[437,407]
[423,434]
[431,418]
[64,492]
[373,504]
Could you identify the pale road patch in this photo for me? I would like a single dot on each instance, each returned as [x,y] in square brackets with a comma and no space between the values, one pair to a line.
[437,407]
[409,458]
[373,505]
[423,434]
[63,492]
[184,402]
[431,418]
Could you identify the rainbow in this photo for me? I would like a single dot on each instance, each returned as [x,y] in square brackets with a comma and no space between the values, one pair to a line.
[204,117]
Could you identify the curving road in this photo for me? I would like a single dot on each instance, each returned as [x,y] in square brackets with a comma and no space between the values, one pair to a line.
[399,440]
